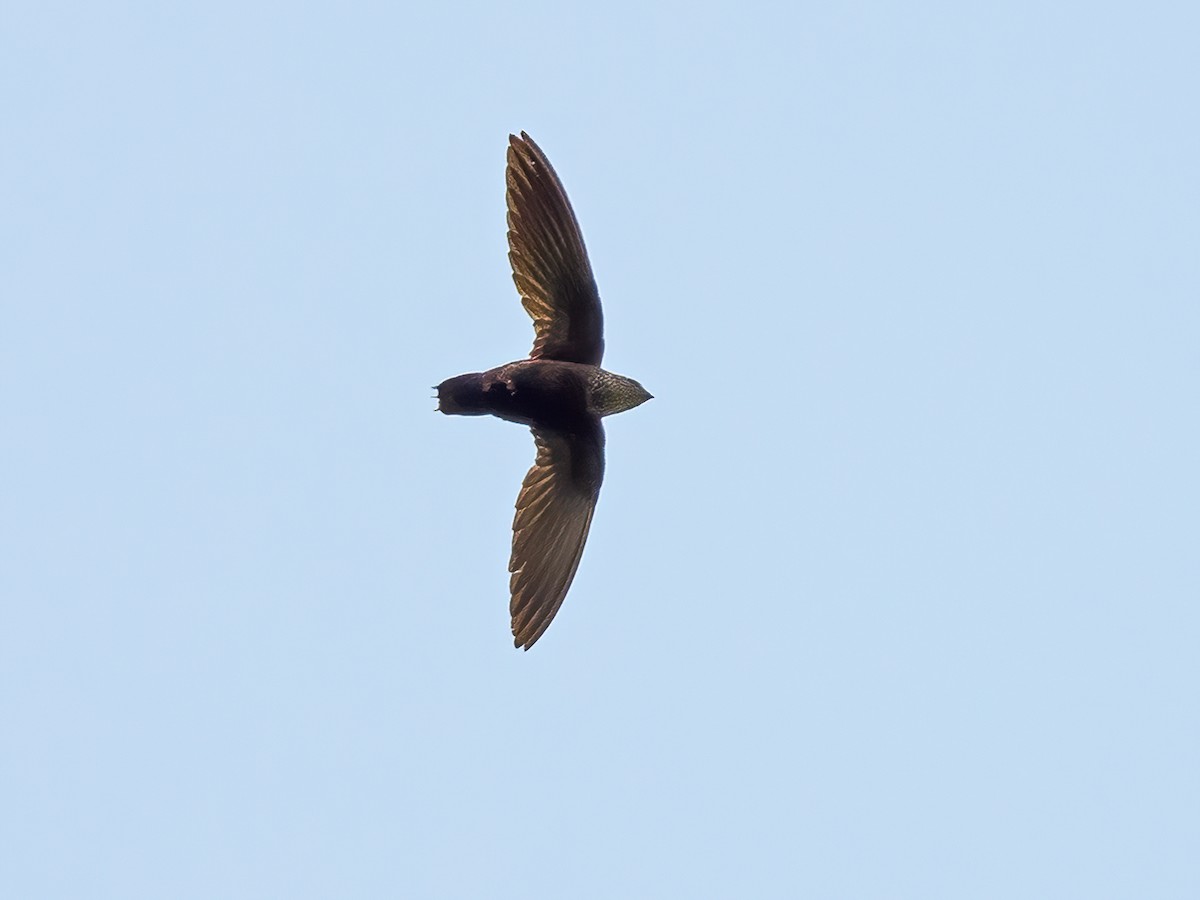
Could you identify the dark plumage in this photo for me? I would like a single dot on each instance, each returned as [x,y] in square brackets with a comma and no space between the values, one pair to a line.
[560,392]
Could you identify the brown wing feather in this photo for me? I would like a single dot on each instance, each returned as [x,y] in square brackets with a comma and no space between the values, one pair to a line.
[554,514]
[549,260]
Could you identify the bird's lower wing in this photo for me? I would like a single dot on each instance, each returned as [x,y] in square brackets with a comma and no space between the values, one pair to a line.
[554,514]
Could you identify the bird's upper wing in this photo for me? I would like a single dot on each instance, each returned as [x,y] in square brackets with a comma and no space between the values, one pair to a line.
[549,261]
[554,513]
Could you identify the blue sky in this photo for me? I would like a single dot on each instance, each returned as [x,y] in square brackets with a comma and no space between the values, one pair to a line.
[891,591]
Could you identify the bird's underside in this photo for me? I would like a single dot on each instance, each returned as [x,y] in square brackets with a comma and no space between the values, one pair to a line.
[559,392]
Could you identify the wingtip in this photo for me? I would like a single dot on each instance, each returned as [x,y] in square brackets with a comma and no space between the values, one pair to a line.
[524,637]
[523,141]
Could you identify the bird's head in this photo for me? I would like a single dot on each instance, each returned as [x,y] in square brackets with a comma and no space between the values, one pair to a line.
[609,393]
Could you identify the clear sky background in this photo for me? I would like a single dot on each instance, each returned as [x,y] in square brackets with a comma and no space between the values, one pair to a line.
[892,591]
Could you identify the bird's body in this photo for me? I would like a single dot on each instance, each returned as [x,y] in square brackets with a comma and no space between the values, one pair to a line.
[545,392]
[560,392]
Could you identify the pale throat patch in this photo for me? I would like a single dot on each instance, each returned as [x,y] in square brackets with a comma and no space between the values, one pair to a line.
[609,393]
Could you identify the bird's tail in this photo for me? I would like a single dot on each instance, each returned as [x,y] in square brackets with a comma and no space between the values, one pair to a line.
[463,395]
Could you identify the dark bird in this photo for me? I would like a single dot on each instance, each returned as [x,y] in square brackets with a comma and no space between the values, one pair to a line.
[560,391]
